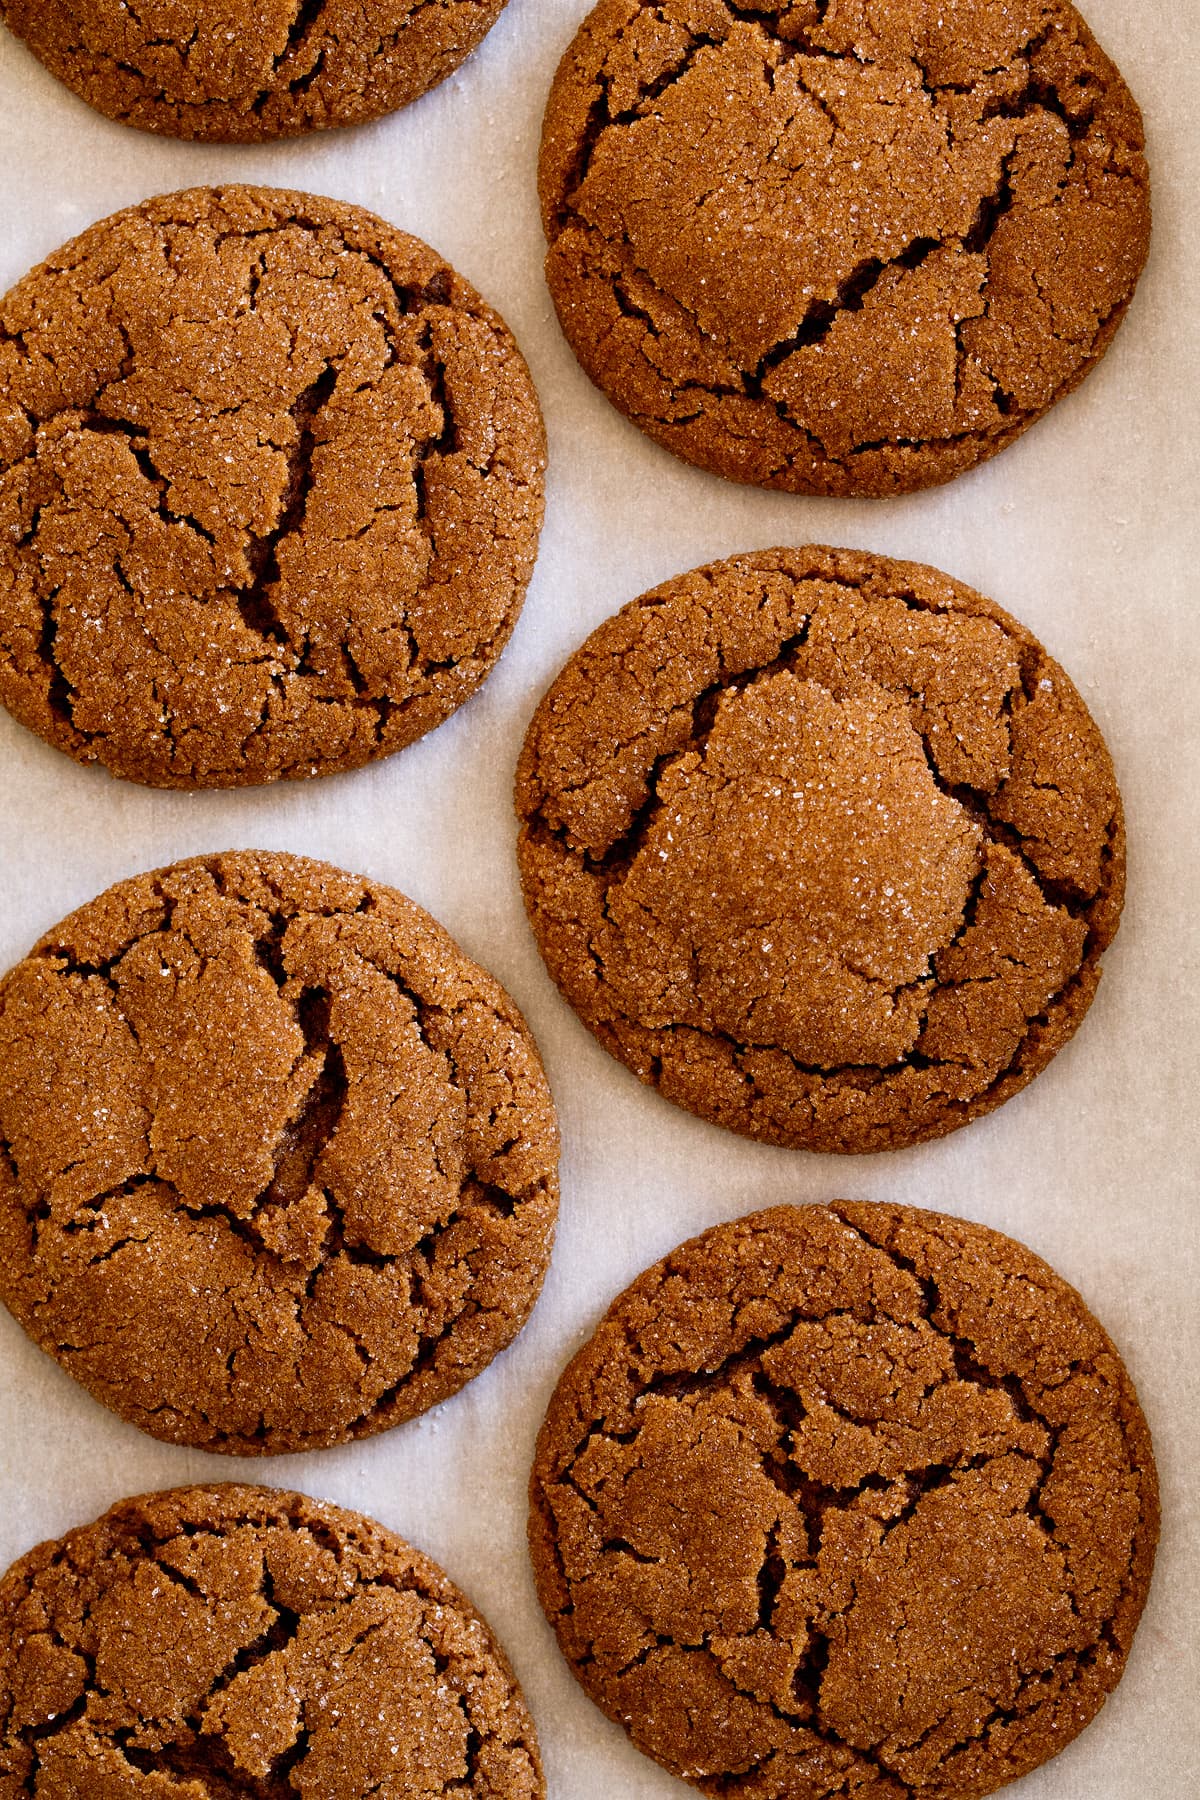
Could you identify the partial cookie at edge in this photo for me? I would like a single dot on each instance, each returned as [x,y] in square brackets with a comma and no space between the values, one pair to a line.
[250,69]
[258,1641]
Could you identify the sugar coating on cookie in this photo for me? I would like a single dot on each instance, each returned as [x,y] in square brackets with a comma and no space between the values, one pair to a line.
[279,1162]
[241,70]
[840,247]
[236,1640]
[848,1499]
[822,845]
[271,479]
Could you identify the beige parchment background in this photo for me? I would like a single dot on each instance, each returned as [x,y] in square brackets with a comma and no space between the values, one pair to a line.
[1088,530]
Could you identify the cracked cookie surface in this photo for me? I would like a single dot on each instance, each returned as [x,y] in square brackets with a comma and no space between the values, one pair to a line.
[214,1642]
[278,1163]
[846,1500]
[822,845]
[271,480]
[834,246]
[242,70]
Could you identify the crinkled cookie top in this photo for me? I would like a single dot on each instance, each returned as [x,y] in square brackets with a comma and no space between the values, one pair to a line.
[846,1500]
[835,246]
[822,845]
[278,1163]
[270,490]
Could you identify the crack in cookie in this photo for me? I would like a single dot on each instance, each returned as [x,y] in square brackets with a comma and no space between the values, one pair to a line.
[840,250]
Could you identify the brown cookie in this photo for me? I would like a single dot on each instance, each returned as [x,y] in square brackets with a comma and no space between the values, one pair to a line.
[239,70]
[270,490]
[840,246]
[235,1641]
[278,1163]
[822,845]
[849,1499]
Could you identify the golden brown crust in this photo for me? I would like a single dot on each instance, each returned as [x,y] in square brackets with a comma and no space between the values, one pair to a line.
[234,1641]
[848,1499]
[243,70]
[823,845]
[278,1163]
[835,247]
[271,481]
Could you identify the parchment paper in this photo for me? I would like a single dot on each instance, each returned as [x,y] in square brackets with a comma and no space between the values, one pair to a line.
[1086,529]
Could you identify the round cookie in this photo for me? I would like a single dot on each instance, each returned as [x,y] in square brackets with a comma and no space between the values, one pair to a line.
[234,1640]
[279,1162]
[242,70]
[271,481]
[822,845]
[848,1499]
[840,248]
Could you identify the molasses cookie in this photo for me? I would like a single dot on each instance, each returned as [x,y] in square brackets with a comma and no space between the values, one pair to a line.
[238,70]
[235,1641]
[849,1499]
[822,845]
[848,248]
[270,490]
[279,1162]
